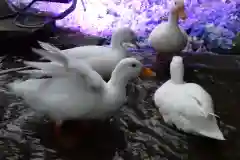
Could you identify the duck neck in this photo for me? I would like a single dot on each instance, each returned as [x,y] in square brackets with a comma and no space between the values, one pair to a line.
[117,43]
[173,18]
[177,74]
[118,80]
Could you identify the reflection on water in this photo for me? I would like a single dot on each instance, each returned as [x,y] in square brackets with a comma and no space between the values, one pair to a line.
[26,135]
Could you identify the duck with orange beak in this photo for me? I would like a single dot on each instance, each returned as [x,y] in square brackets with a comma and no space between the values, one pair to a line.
[168,38]
[75,90]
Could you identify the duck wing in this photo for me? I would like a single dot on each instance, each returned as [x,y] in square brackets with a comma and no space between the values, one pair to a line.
[73,95]
[206,124]
[201,98]
[186,101]
[82,52]
[190,108]
[60,66]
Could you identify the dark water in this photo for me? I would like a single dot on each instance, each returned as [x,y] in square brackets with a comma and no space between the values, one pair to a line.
[137,132]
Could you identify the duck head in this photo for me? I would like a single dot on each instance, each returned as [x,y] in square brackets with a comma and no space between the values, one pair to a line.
[125,37]
[128,69]
[179,10]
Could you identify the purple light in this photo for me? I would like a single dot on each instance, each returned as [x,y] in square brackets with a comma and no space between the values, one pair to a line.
[103,16]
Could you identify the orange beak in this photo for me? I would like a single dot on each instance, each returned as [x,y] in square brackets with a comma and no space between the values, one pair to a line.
[182,14]
[147,72]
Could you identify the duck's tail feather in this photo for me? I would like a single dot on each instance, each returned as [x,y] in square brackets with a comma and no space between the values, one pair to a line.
[205,113]
[35,73]
[6,71]
[212,133]
[28,89]
[16,87]
[214,115]
[52,56]
[207,127]
[48,47]
[46,69]
[45,66]
[38,65]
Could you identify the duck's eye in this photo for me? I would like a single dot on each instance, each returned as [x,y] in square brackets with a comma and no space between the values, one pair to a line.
[134,65]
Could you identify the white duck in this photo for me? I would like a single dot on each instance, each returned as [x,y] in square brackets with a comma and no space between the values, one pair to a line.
[103,59]
[168,37]
[75,90]
[187,105]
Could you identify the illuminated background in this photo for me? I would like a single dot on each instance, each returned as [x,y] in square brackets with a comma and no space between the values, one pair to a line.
[103,16]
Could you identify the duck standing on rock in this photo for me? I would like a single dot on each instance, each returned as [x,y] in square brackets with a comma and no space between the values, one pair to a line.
[168,38]
[186,105]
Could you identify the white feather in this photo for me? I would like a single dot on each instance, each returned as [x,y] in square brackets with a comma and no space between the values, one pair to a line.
[187,105]
[35,73]
[80,93]
[53,56]
[49,48]
[102,59]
